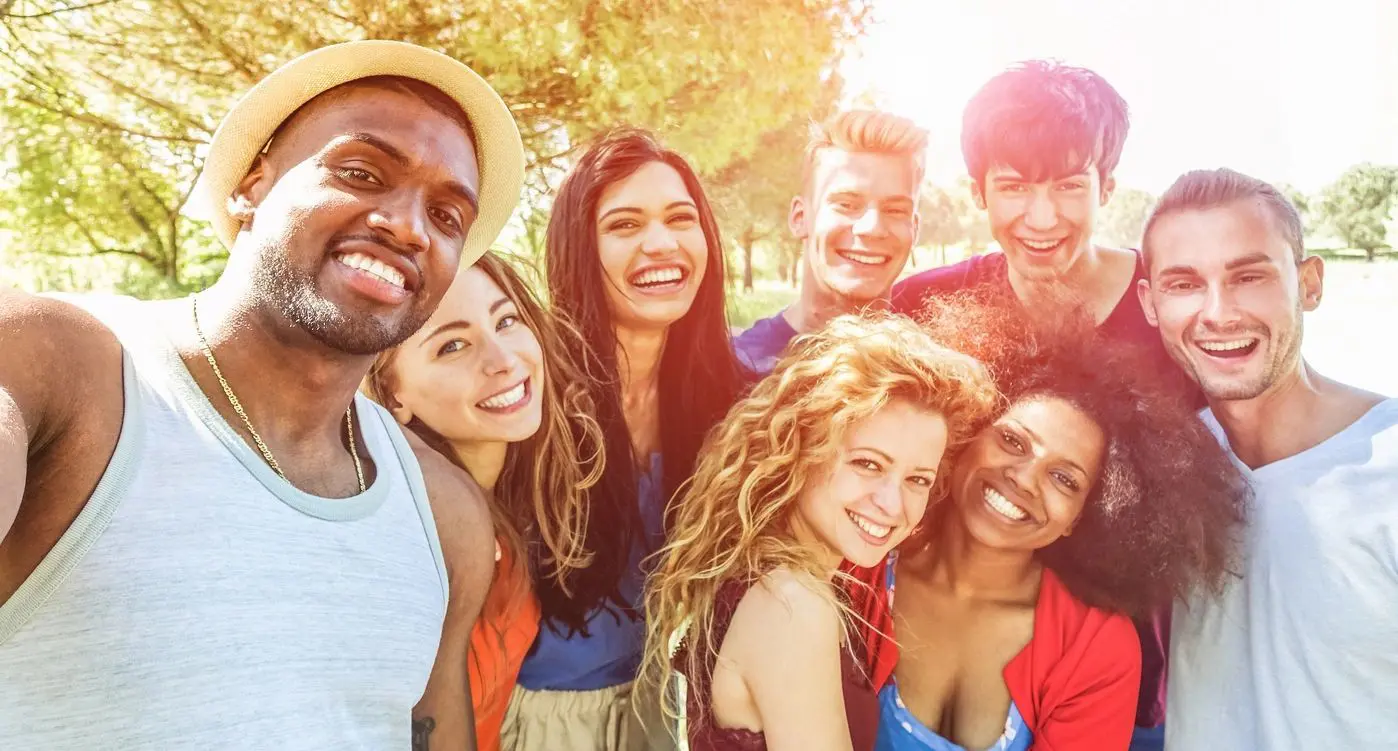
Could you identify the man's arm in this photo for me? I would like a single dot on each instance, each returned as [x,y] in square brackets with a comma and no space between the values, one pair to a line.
[14,455]
[444,719]
[51,354]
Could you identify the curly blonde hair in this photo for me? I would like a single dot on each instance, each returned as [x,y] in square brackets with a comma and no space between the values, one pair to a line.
[733,521]
[541,494]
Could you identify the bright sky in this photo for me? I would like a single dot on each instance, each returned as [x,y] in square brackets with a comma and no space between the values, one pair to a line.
[1285,90]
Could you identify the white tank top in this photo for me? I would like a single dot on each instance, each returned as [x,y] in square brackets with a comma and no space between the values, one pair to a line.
[200,601]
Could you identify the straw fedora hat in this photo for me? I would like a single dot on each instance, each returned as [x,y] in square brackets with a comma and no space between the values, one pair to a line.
[249,125]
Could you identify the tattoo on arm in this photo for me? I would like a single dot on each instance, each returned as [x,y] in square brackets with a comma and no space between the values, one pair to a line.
[421,729]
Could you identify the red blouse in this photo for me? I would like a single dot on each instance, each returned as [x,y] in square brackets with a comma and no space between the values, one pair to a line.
[1076,682]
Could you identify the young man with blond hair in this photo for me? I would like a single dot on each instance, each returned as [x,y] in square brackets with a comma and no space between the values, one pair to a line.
[856,217]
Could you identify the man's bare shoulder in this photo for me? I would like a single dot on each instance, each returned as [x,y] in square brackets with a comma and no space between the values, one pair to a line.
[49,317]
[52,346]
[453,494]
[459,506]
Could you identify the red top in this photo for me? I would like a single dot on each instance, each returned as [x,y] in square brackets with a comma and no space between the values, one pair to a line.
[1075,682]
[861,700]
[1126,323]
[501,638]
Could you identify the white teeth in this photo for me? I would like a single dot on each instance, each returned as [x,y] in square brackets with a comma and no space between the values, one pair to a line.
[1041,244]
[375,267]
[868,259]
[1225,346]
[874,530]
[504,399]
[1002,505]
[658,276]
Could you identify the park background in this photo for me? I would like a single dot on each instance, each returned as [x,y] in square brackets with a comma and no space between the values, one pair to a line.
[108,105]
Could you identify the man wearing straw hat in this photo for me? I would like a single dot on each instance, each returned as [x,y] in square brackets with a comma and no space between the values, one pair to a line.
[206,539]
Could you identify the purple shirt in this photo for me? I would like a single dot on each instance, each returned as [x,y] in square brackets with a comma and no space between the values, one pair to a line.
[761,346]
[1127,322]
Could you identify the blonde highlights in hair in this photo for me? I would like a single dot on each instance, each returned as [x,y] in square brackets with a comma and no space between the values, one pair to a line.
[733,520]
[871,131]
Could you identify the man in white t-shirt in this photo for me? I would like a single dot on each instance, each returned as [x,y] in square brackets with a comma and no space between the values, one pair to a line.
[1301,650]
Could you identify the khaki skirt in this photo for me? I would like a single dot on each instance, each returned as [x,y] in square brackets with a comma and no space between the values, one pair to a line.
[608,719]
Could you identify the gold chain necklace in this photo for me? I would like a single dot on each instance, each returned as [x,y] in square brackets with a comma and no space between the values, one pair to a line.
[238,407]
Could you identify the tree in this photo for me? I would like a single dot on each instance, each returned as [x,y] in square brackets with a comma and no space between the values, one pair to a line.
[1357,206]
[942,219]
[1123,219]
[752,196]
[107,104]
[1299,199]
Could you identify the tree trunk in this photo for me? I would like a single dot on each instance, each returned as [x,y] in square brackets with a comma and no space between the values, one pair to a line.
[747,266]
[1369,254]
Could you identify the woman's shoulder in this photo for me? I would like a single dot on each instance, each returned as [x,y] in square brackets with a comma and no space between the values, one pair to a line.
[784,606]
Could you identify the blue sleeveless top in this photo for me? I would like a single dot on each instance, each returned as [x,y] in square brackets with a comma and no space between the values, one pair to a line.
[899,730]
[611,652]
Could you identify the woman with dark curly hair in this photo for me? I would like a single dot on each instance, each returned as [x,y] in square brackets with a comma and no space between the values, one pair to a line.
[1094,496]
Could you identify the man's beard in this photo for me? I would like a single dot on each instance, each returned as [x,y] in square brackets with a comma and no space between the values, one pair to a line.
[1284,351]
[293,294]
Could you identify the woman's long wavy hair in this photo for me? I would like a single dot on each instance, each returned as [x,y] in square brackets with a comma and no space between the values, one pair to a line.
[539,505]
[700,376]
[735,519]
[1165,511]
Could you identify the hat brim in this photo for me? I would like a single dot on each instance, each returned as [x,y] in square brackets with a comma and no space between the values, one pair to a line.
[249,125]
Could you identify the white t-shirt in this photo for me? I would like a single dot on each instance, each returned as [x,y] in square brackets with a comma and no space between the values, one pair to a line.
[1301,652]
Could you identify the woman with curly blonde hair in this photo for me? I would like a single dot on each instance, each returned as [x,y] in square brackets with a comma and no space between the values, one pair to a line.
[488,382]
[834,457]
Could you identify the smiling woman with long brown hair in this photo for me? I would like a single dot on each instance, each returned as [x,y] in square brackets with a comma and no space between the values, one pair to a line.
[488,382]
[635,259]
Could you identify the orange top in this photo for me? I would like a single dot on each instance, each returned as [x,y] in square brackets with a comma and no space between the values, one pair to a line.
[501,638]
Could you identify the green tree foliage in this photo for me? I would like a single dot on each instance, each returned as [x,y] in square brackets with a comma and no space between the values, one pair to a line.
[107,104]
[752,196]
[941,219]
[1123,219]
[1358,206]
[1299,199]
[948,217]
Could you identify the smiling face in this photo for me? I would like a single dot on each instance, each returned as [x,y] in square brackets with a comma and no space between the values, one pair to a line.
[354,220]
[474,373]
[1228,297]
[875,490]
[858,222]
[653,250]
[1024,480]
[1044,227]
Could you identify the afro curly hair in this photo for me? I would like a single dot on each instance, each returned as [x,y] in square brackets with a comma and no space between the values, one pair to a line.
[1168,505]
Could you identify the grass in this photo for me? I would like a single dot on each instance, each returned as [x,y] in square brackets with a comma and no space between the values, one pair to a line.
[766,298]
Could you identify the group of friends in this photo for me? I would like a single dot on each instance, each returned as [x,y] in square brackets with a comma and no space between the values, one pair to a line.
[374,490]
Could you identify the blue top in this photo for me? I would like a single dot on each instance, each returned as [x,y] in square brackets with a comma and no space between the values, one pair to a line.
[610,654]
[899,730]
[761,346]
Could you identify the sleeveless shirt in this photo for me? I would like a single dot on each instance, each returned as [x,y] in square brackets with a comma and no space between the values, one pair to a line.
[199,600]
[861,703]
